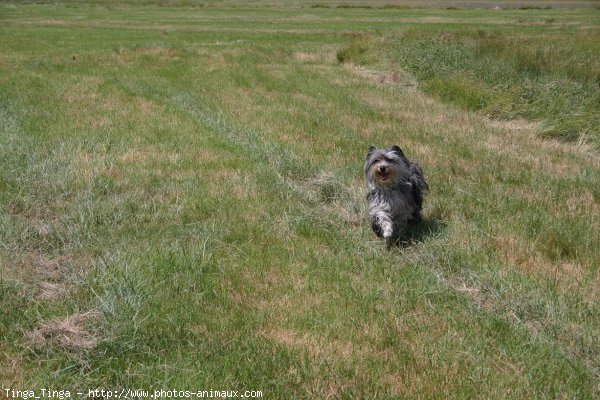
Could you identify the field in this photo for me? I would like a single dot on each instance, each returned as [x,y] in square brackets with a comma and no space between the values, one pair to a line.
[182,203]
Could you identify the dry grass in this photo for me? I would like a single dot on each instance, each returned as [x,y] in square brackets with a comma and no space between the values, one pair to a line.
[76,332]
[51,291]
[318,349]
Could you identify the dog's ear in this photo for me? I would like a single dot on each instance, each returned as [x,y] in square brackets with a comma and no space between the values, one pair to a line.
[398,150]
[371,150]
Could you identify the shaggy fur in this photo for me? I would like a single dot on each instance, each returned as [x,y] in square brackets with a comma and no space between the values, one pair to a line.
[396,189]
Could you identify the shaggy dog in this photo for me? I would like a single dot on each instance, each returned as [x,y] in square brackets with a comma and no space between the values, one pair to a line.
[396,189]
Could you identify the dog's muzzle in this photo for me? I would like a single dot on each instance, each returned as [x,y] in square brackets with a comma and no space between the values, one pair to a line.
[383,172]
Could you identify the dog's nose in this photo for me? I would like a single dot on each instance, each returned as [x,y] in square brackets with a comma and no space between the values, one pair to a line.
[382,168]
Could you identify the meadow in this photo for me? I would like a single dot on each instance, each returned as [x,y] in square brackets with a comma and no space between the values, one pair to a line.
[182,203]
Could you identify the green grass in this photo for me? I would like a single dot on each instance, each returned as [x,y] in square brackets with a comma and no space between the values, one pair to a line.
[543,76]
[182,204]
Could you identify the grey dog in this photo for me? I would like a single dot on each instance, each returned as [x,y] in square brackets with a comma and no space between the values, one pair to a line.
[396,189]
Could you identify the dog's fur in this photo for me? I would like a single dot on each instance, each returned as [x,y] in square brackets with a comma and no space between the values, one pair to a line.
[396,188]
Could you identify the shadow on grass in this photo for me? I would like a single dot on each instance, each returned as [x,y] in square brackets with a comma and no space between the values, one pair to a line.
[418,233]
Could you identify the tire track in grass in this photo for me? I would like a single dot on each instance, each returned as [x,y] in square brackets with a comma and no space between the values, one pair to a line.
[311,191]
[250,141]
[295,176]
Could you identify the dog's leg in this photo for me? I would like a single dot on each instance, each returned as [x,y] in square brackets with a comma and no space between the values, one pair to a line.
[416,217]
[389,241]
[375,226]
[385,227]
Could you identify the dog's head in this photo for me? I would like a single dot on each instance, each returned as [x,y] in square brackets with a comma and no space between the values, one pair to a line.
[384,168]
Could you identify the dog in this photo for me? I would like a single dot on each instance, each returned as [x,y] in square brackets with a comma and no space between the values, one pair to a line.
[396,189]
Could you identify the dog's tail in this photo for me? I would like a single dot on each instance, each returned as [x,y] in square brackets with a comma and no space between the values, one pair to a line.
[418,183]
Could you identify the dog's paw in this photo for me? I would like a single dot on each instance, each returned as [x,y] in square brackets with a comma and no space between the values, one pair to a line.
[389,241]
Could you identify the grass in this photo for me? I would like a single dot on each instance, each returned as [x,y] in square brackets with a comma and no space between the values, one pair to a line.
[182,206]
[544,76]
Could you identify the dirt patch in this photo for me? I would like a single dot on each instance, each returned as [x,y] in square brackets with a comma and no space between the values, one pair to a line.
[73,332]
